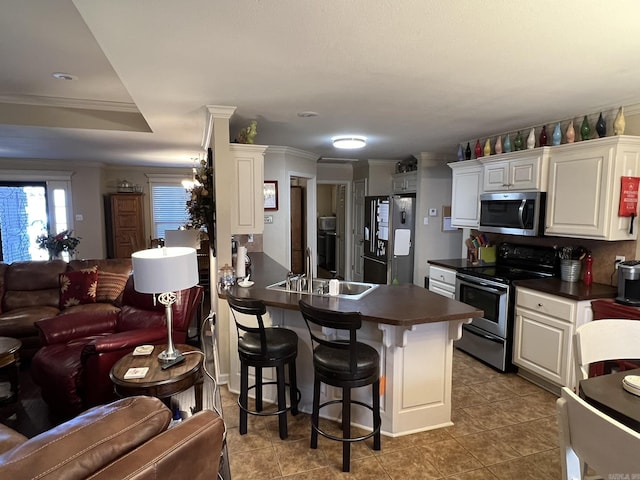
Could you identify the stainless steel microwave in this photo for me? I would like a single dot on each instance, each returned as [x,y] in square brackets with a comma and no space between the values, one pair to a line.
[513,213]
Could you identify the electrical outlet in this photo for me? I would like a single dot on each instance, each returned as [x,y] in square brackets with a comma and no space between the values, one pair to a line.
[619,258]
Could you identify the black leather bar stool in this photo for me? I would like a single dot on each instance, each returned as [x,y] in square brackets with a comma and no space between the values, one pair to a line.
[346,364]
[264,347]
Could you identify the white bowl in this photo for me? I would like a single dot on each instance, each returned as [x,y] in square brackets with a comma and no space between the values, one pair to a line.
[245,284]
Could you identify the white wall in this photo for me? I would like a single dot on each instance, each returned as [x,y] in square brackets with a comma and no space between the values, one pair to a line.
[280,164]
[379,182]
[434,191]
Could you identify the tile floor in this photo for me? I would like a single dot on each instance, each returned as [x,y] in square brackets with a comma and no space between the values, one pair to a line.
[505,428]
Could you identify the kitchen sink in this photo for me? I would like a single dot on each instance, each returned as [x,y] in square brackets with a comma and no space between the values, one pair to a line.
[346,289]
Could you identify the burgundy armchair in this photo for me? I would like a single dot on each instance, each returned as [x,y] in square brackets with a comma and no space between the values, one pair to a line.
[79,349]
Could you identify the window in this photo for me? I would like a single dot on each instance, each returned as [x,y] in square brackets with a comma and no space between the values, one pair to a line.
[168,204]
[32,203]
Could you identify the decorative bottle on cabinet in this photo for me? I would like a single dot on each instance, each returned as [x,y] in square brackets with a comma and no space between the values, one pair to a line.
[585,129]
[543,136]
[507,144]
[478,149]
[556,138]
[601,127]
[498,145]
[587,277]
[487,148]
[460,153]
[517,143]
[531,139]
[571,133]
[619,123]
[467,152]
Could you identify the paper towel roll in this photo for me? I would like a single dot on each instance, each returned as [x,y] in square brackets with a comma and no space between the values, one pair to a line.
[240,262]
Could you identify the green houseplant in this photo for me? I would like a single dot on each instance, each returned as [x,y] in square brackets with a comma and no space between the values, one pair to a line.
[202,204]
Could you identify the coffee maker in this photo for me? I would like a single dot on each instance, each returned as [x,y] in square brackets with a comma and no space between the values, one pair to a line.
[629,283]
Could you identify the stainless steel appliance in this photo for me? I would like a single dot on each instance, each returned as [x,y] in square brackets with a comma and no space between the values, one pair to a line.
[490,288]
[389,239]
[629,283]
[513,213]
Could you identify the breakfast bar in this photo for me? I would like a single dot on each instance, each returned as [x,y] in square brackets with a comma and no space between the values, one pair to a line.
[412,328]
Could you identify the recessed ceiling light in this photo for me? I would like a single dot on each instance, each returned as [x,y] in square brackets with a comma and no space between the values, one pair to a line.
[64,76]
[308,114]
[349,141]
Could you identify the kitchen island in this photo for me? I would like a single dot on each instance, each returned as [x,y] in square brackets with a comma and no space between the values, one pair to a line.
[412,329]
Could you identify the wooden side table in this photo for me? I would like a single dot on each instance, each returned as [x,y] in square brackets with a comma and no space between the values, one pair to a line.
[9,356]
[157,382]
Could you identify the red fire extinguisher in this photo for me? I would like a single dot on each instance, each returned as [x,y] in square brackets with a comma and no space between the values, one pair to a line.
[629,199]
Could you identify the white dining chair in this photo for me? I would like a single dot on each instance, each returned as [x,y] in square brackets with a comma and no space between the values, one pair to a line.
[589,438]
[608,339]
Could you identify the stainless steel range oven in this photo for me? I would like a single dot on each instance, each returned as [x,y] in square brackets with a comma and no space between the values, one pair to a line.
[491,289]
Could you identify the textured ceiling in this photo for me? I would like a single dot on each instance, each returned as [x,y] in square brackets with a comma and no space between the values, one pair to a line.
[412,75]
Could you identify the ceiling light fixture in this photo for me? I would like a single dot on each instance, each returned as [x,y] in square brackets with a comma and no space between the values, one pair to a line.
[349,141]
[64,76]
[308,114]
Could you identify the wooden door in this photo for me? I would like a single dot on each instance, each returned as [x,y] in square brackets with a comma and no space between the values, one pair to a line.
[359,192]
[125,224]
[297,229]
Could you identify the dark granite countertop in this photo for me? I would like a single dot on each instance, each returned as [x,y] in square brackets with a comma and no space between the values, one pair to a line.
[400,305]
[575,291]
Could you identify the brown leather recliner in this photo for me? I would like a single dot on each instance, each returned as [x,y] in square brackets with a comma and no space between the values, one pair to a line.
[72,368]
[125,439]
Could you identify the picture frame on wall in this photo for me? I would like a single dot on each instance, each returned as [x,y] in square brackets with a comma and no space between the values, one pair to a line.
[270,191]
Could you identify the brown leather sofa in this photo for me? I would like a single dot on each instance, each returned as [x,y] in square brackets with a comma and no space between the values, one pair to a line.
[125,439]
[72,367]
[30,291]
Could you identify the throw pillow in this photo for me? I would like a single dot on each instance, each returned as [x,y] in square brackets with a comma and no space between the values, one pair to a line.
[110,286]
[78,287]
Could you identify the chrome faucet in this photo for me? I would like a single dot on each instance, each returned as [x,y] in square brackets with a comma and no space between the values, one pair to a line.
[290,277]
[308,270]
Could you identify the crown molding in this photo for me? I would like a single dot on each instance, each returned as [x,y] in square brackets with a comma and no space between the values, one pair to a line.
[62,102]
[212,112]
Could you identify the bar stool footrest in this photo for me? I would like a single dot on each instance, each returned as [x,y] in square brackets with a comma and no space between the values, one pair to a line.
[376,429]
[268,414]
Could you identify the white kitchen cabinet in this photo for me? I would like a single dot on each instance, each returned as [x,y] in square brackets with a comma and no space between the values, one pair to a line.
[404,182]
[518,171]
[584,188]
[247,205]
[465,191]
[543,333]
[442,281]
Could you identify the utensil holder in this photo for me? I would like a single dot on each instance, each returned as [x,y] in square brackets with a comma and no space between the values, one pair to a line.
[487,254]
[570,270]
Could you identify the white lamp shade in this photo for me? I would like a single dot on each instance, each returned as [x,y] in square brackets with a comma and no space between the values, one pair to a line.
[160,270]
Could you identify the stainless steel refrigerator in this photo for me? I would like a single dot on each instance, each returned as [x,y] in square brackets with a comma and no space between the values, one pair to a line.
[389,229]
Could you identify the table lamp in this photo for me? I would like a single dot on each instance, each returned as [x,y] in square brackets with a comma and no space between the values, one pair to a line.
[165,271]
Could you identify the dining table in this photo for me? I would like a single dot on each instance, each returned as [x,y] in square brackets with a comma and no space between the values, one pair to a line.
[606,393]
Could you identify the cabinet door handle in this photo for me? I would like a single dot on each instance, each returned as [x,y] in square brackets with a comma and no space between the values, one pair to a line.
[540,305]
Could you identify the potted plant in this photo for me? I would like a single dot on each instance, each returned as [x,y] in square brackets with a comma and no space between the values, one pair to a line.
[56,244]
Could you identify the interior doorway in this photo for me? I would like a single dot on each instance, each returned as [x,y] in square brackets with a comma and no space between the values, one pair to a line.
[332,228]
